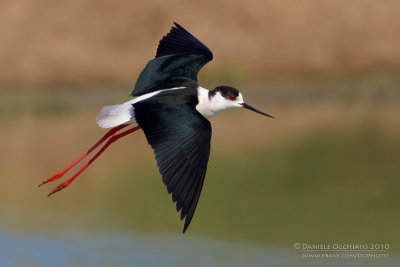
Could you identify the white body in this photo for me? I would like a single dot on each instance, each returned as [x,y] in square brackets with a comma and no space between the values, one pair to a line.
[111,116]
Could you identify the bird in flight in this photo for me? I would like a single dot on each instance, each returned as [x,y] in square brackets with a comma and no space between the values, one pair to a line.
[173,111]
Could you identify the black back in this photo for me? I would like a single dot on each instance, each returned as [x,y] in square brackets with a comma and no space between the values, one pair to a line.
[180,137]
[179,55]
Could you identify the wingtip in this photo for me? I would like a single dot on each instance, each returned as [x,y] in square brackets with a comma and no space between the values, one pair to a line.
[187,223]
[177,25]
[185,228]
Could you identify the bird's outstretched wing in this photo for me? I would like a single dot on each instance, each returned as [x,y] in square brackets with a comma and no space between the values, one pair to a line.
[179,41]
[180,137]
[179,55]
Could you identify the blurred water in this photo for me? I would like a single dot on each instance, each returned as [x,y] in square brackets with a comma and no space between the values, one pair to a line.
[119,249]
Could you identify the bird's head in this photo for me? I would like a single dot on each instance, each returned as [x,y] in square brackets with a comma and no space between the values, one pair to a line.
[223,97]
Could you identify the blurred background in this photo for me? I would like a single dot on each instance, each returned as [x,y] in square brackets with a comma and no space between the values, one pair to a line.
[326,170]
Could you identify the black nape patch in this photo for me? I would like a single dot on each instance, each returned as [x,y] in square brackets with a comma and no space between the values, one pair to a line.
[226,91]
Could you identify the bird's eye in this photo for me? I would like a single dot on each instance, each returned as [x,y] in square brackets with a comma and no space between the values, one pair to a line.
[232,97]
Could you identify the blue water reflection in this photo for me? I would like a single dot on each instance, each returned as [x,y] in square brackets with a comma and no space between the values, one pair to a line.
[127,250]
[118,249]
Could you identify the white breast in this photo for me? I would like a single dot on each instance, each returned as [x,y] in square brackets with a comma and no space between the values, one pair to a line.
[204,106]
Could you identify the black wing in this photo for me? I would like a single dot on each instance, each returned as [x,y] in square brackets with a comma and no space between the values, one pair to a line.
[179,55]
[179,41]
[180,137]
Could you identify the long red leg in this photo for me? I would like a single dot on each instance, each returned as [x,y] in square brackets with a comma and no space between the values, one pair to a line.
[109,142]
[107,135]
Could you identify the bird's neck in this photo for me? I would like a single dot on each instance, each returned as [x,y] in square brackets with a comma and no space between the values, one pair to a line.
[206,106]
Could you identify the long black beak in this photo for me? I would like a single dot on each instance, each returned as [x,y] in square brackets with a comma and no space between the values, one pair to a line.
[255,110]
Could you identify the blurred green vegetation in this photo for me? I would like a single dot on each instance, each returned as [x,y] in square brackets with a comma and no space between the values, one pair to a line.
[325,170]
[324,187]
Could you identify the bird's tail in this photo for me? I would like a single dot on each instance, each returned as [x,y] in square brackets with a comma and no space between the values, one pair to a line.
[111,116]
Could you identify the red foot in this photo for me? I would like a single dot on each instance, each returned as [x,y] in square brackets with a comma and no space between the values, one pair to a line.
[59,188]
[106,145]
[53,178]
[61,173]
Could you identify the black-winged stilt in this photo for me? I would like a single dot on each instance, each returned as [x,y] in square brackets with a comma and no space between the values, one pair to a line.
[172,109]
